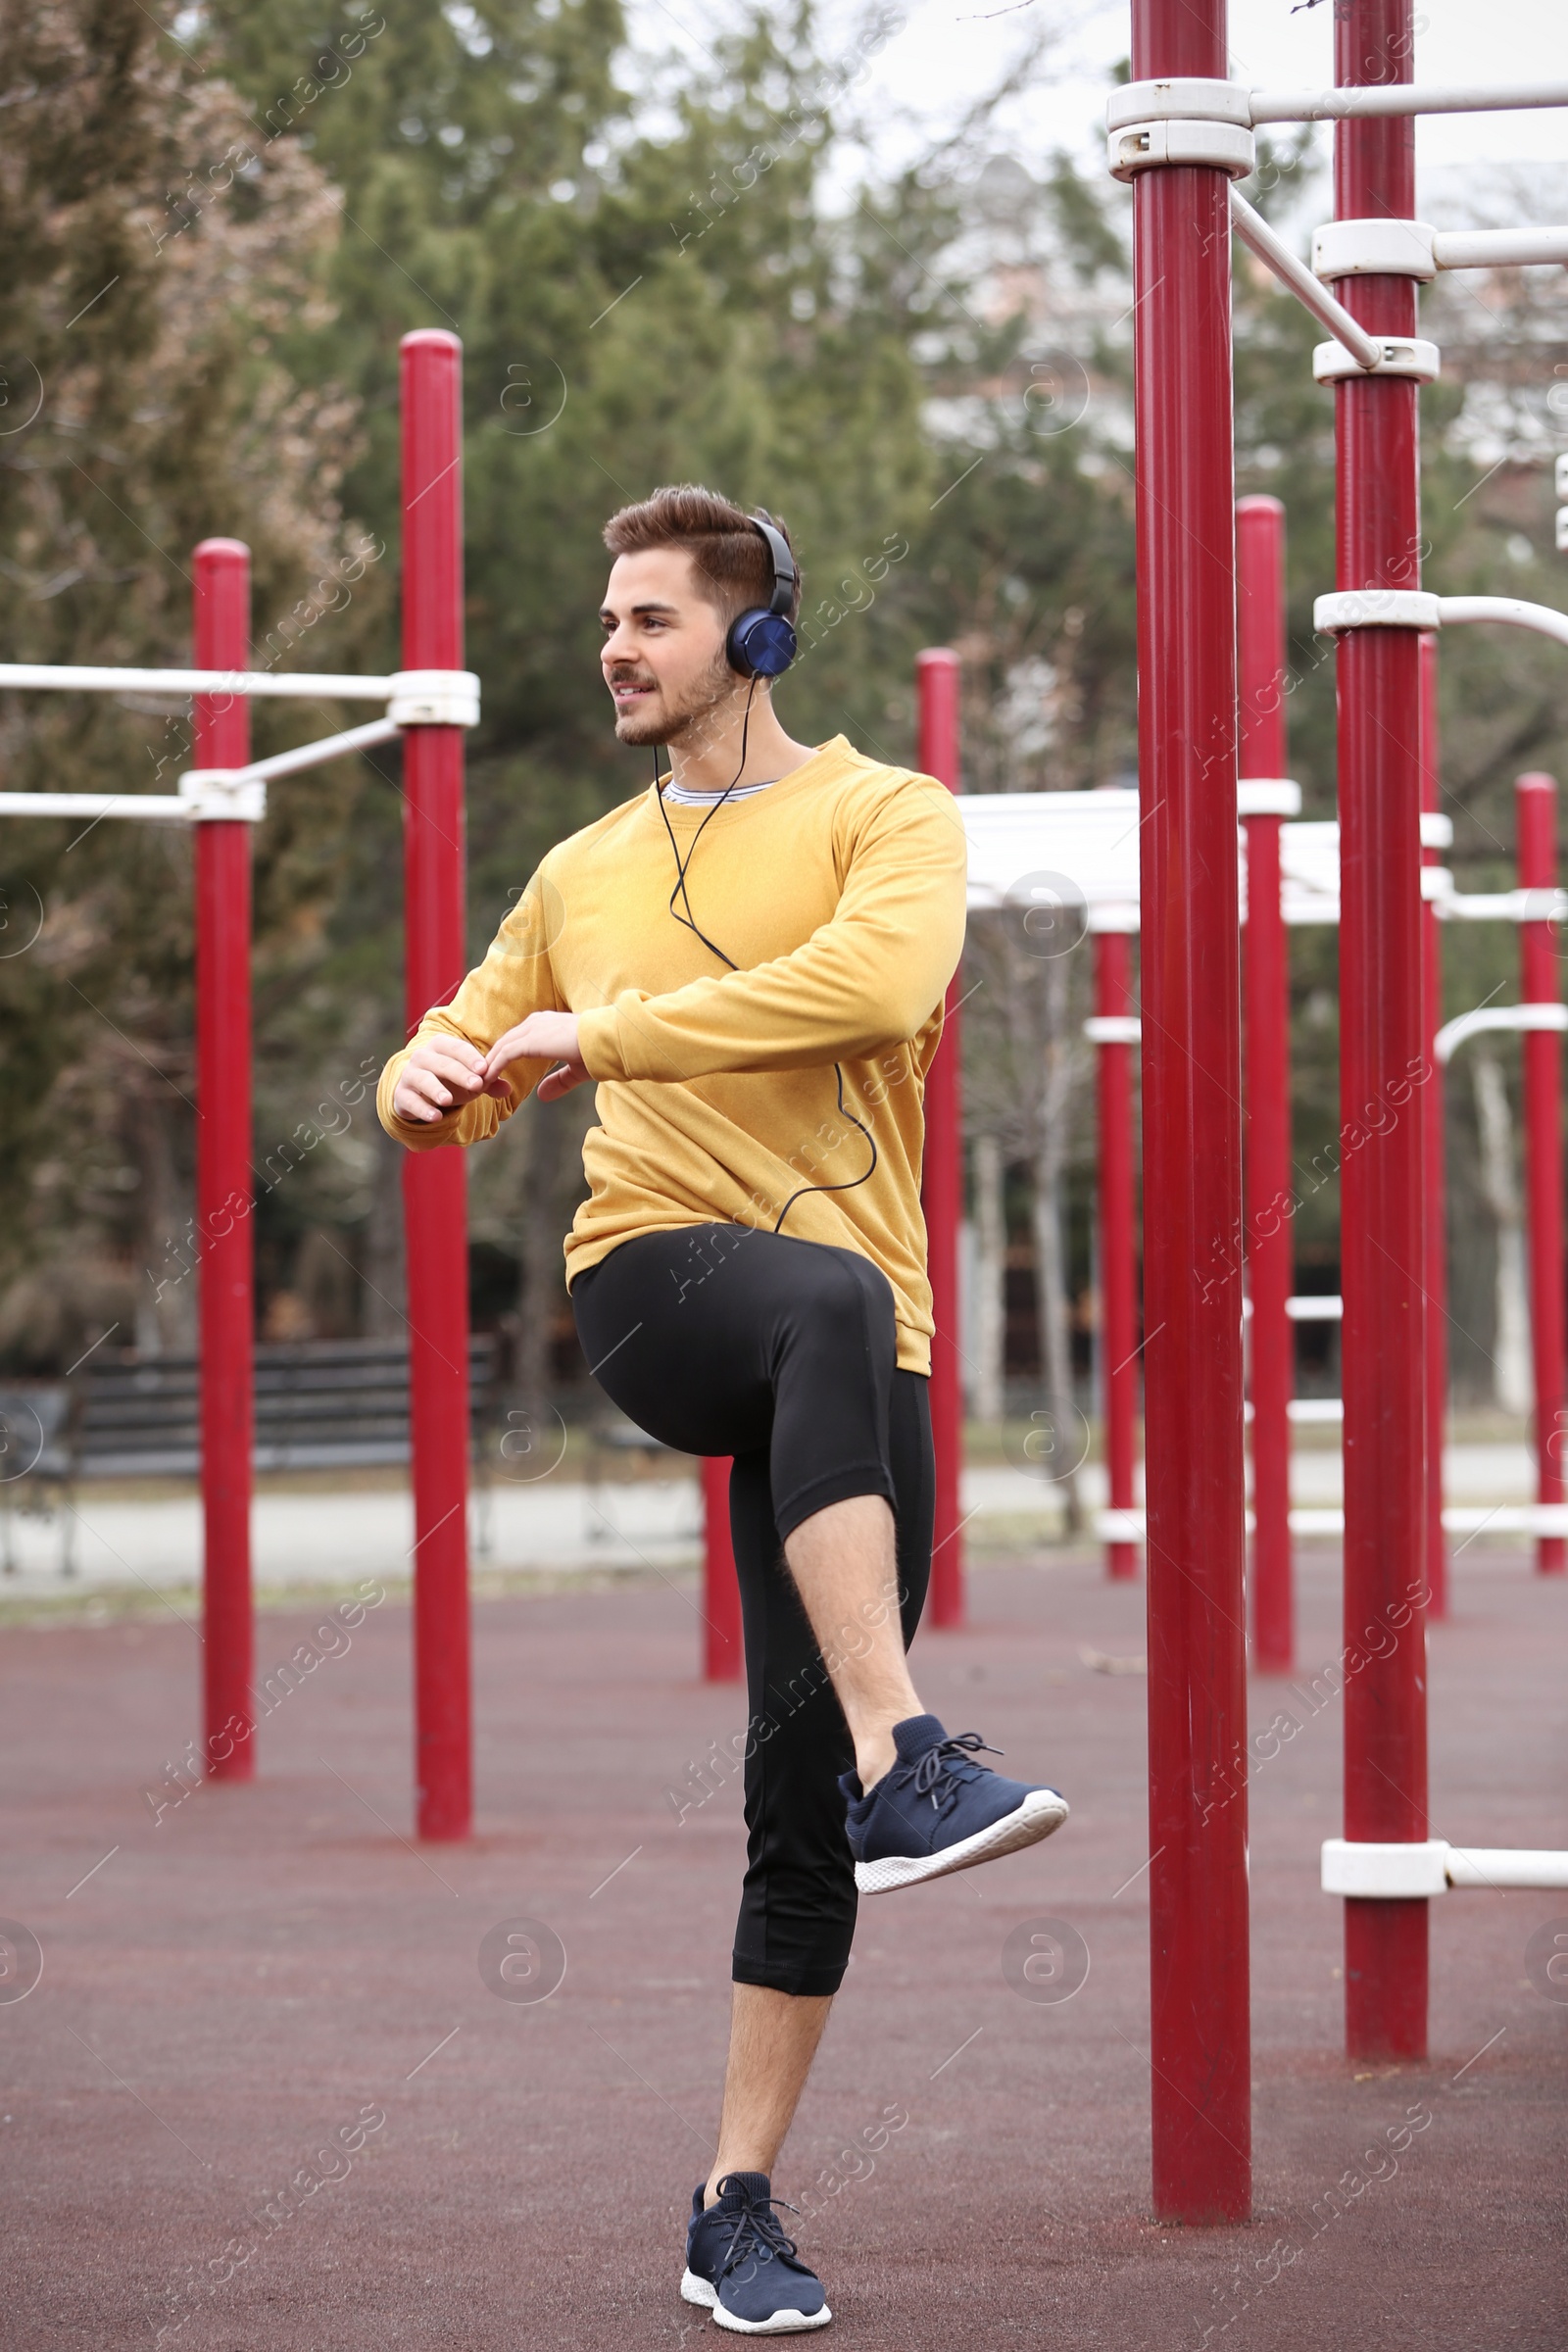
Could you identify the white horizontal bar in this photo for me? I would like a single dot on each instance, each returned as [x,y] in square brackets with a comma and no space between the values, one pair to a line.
[1498,248]
[1113,1029]
[1506,1866]
[325,687]
[1315,1307]
[1316,1408]
[1459,1519]
[1501,906]
[1402,98]
[1309,291]
[1316,1519]
[151,808]
[1507,1519]
[1477,906]
[1512,609]
[1487,1018]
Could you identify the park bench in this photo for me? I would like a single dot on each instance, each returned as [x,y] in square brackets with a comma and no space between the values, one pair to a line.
[321,1404]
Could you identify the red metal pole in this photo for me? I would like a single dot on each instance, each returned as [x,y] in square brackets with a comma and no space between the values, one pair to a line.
[435,1192]
[1189,961]
[1382,1051]
[723,1646]
[1433,1160]
[221,630]
[1270,1199]
[936,682]
[1542,1073]
[1118,1239]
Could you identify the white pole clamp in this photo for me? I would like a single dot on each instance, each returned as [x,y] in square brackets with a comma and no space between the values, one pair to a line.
[434,698]
[1268,795]
[1141,146]
[1374,248]
[1365,1868]
[1397,354]
[1375,609]
[225,794]
[1179,98]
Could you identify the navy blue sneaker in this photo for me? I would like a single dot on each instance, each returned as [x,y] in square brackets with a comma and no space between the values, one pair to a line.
[937,1810]
[743,2269]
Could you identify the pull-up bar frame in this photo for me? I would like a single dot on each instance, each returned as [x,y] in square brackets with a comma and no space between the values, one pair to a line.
[430,702]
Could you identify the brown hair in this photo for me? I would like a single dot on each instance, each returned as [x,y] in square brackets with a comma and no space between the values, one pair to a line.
[733,566]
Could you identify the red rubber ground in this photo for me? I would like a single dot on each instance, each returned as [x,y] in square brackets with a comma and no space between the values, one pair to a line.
[236,1984]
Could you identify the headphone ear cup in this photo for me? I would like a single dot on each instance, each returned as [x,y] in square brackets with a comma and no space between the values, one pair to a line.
[760,644]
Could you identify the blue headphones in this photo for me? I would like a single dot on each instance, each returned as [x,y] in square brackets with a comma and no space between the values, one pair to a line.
[762,643]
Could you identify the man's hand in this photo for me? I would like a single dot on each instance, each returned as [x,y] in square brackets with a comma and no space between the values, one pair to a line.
[443,1073]
[542,1037]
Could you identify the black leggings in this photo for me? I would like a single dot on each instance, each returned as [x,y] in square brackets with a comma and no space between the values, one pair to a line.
[724,1339]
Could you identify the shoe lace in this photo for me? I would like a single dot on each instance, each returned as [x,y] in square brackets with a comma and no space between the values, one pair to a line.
[759,2234]
[943,1767]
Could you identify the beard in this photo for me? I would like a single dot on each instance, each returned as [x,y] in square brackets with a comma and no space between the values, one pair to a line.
[686,720]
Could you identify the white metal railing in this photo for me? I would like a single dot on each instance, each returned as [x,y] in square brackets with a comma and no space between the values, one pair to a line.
[1192,99]
[1402,98]
[1328,1519]
[1513,610]
[1452,1033]
[413,698]
[91,679]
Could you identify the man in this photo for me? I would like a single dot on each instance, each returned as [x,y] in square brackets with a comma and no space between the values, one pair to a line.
[750,959]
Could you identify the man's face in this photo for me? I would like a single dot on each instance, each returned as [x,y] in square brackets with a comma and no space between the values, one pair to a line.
[664,651]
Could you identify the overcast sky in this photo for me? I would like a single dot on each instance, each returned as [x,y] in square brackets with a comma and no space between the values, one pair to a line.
[951,51]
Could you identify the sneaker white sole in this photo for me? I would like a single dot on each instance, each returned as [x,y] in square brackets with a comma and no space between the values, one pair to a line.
[783,2322]
[1041,1812]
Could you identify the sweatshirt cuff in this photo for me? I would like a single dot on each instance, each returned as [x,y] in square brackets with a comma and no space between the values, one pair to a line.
[598,1043]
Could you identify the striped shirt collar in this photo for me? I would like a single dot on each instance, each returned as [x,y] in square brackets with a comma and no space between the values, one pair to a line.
[676,796]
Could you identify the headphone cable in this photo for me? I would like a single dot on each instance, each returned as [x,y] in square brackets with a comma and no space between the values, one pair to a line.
[690,923]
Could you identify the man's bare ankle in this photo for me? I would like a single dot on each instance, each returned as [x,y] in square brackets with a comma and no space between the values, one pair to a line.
[873,1761]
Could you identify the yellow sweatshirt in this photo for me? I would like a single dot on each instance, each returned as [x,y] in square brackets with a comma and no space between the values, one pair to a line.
[839,892]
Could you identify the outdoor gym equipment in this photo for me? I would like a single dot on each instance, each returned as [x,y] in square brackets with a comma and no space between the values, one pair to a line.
[428,705]
[1181,131]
